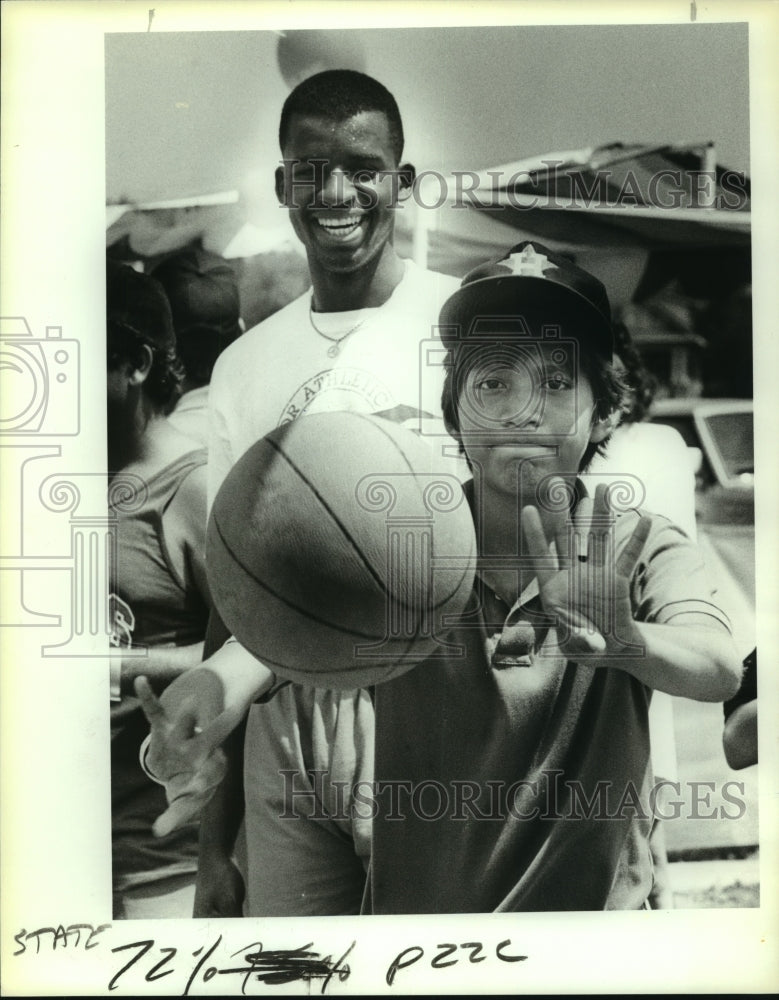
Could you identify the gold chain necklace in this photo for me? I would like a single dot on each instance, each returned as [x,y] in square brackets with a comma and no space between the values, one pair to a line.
[335,342]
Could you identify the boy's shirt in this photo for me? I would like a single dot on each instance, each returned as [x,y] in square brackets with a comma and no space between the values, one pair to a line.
[528,787]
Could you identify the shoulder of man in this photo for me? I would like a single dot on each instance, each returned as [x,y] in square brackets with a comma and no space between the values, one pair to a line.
[235,357]
[422,293]
[443,284]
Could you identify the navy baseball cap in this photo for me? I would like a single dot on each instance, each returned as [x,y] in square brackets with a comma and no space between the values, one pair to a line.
[137,304]
[528,290]
[203,293]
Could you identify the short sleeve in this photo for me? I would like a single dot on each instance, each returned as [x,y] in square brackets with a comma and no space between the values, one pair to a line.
[670,577]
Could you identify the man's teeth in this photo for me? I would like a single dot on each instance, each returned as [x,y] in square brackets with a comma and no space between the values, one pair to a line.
[340,227]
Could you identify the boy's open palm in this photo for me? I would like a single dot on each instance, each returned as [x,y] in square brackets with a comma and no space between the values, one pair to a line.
[581,582]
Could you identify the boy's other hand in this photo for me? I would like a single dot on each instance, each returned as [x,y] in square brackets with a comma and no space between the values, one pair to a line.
[188,725]
[219,888]
[581,582]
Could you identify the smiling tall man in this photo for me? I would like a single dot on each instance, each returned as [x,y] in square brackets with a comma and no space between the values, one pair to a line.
[350,343]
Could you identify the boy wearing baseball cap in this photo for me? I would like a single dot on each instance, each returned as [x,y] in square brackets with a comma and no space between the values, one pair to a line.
[515,773]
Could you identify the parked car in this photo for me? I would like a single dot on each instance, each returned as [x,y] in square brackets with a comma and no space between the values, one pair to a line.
[722,431]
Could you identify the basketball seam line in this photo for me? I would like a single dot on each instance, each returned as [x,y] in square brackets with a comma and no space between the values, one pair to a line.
[284,600]
[342,527]
[377,423]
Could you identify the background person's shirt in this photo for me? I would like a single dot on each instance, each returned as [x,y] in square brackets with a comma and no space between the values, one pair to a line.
[190,415]
[151,605]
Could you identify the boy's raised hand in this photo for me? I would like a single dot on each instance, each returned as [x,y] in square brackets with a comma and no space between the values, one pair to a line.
[188,726]
[581,582]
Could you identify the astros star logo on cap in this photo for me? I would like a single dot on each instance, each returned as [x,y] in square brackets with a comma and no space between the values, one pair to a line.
[528,263]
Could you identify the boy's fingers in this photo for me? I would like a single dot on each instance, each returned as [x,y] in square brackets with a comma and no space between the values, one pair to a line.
[185,746]
[600,505]
[184,723]
[188,797]
[597,547]
[629,556]
[217,731]
[600,527]
[582,522]
[184,809]
[545,565]
[150,703]
[564,542]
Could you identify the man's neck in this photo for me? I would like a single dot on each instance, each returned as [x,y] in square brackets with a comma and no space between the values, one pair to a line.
[367,288]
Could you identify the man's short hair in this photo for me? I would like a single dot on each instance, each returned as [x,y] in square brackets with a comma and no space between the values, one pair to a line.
[138,314]
[339,94]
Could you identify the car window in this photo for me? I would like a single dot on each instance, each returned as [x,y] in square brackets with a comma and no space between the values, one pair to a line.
[731,439]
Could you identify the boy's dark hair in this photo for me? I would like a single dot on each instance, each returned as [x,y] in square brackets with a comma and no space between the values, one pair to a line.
[138,315]
[640,384]
[338,94]
[606,381]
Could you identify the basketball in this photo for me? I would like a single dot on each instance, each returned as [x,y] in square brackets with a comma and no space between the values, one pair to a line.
[337,553]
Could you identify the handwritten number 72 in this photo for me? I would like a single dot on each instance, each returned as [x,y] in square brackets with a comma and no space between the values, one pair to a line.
[144,947]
